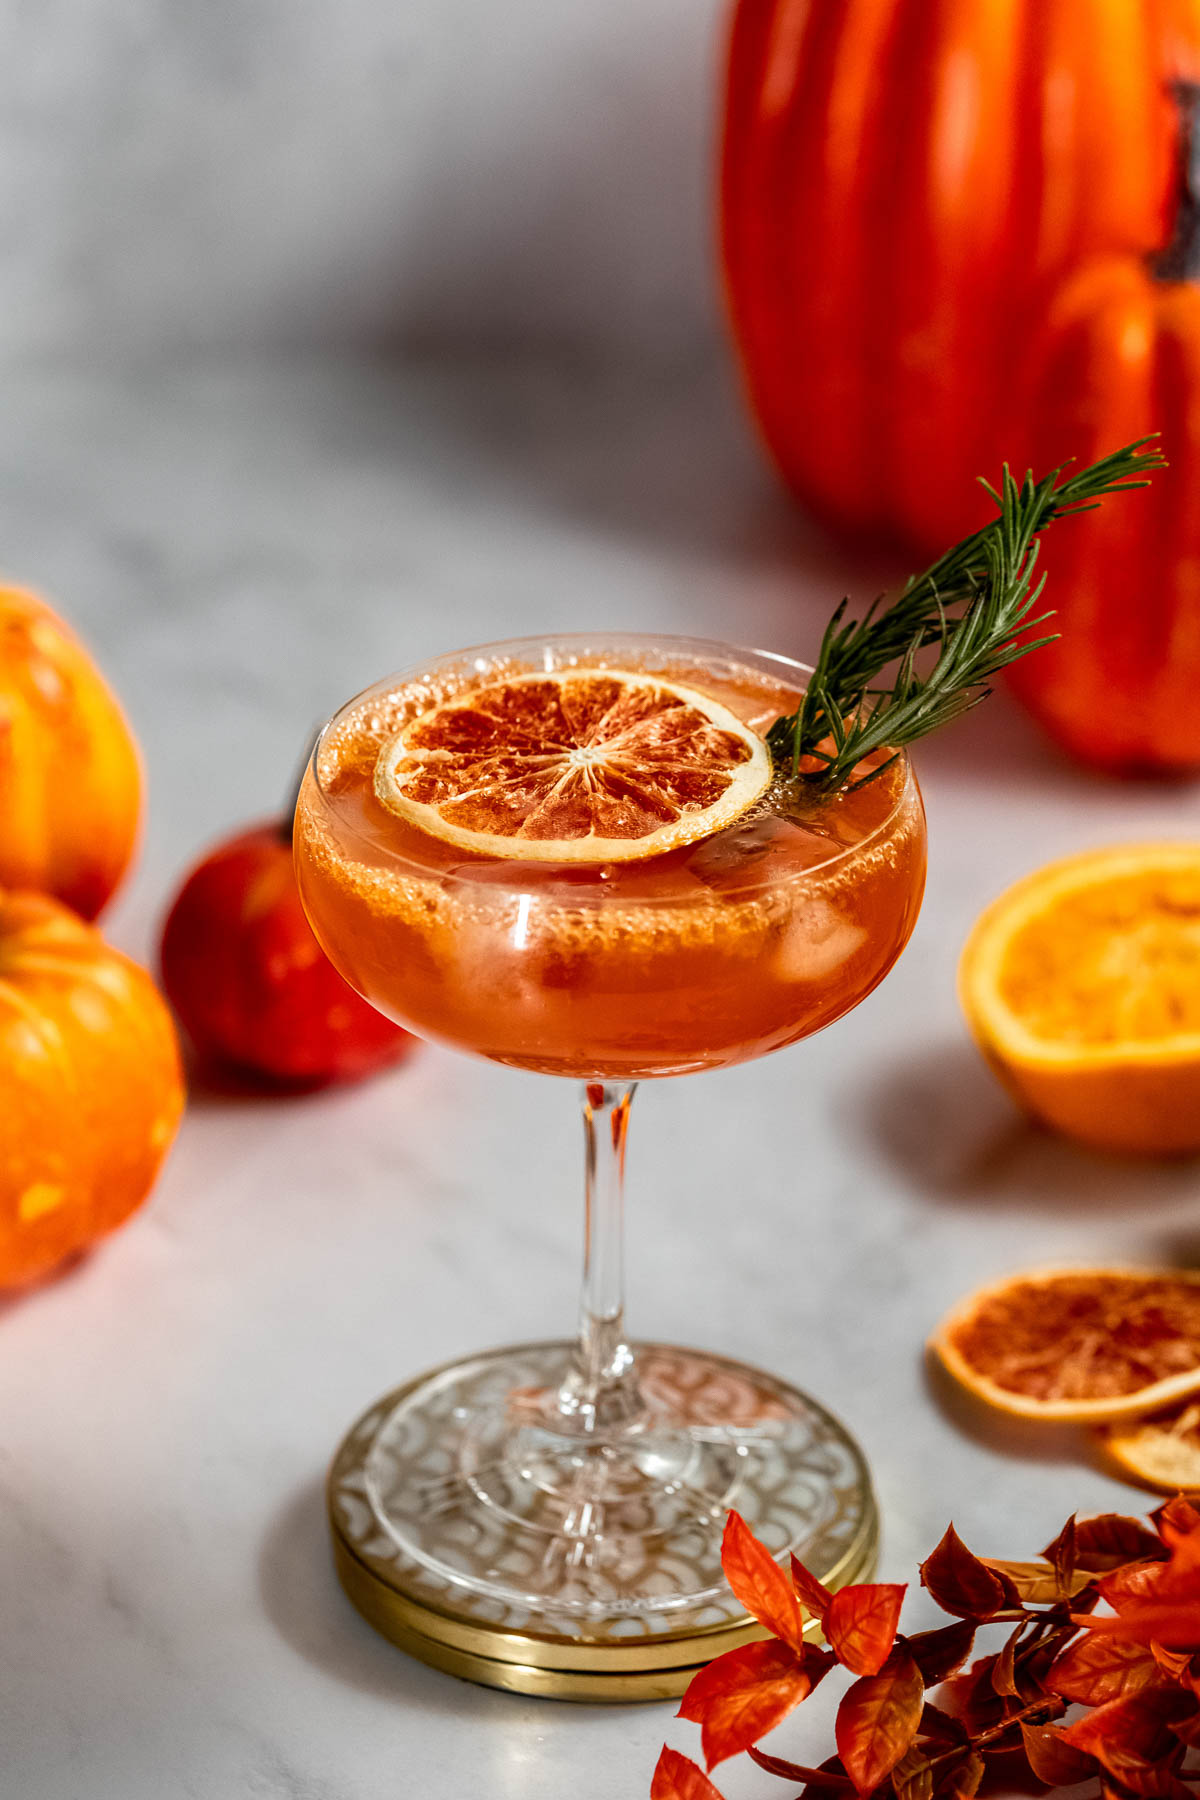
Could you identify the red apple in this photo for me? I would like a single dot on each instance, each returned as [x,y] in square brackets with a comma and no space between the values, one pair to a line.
[248,980]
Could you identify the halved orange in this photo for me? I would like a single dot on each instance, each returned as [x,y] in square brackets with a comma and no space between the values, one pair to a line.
[574,765]
[1083,1345]
[1081,985]
[1163,1451]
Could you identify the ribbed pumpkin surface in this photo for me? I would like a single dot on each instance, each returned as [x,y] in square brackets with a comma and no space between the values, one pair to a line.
[901,179]
[91,1090]
[70,782]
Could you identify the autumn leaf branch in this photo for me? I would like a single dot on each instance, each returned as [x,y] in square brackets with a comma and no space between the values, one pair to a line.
[1104,1627]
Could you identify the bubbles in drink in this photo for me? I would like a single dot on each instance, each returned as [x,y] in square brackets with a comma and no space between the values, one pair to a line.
[708,954]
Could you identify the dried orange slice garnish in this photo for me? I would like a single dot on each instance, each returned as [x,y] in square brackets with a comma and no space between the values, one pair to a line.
[575,765]
[1078,1344]
[1163,1452]
[1081,985]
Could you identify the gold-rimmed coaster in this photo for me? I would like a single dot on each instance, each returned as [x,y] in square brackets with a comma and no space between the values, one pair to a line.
[601,1658]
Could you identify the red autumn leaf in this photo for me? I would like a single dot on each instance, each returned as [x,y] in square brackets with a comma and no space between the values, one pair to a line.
[963,1781]
[878,1720]
[1035,1660]
[1052,1759]
[813,1593]
[1156,1602]
[1136,1726]
[1188,1730]
[1095,1670]
[970,1696]
[1132,1775]
[860,1624]
[1037,1582]
[744,1694]
[1175,1519]
[939,1726]
[939,1653]
[1185,1549]
[676,1777]
[1175,1663]
[1135,1581]
[1110,1540]
[759,1583]
[960,1582]
[1004,1670]
[1063,1552]
[912,1777]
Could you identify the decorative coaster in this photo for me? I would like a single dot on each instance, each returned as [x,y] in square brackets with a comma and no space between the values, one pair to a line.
[440,1548]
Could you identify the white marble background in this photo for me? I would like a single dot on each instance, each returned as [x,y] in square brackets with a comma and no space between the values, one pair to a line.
[195,172]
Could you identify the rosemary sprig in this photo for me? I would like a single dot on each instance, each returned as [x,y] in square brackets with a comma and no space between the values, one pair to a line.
[973,603]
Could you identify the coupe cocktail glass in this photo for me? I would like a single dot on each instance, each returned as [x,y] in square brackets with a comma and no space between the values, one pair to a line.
[584,1489]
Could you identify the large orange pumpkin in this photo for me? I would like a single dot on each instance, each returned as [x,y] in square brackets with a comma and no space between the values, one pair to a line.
[1119,356]
[70,782]
[900,179]
[91,1089]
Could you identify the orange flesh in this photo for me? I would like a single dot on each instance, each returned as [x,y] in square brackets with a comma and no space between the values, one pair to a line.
[1116,962]
[541,758]
[705,955]
[1083,1337]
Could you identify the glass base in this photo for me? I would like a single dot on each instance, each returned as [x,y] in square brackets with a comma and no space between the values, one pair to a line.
[486,1525]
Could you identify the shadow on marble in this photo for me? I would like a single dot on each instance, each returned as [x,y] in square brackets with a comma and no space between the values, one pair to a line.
[665,460]
[941,1119]
[215,1086]
[219,1084]
[71,1269]
[1025,1440]
[302,1599]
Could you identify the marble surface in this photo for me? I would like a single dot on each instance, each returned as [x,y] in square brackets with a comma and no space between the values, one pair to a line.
[177,174]
[245,545]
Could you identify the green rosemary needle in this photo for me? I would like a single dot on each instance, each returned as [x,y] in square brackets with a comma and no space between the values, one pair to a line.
[974,603]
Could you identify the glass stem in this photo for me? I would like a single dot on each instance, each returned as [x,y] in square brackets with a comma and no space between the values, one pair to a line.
[600,1394]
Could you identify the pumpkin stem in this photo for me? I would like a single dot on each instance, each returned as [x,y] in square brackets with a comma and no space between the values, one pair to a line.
[288,818]
[1180,261]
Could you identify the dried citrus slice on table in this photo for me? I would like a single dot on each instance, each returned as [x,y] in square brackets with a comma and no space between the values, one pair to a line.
[1078,1345]
[574,765]
[1081,985]
[1163,1451]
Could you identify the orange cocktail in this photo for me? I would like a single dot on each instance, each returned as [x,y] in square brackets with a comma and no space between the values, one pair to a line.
[579,857]
[616,857]
[696,957]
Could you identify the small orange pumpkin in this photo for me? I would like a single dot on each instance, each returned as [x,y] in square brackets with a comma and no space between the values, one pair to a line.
[1119,356]
[70,780]
[91,1089]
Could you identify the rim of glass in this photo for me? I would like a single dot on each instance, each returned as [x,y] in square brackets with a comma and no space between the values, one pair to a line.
[602,641]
